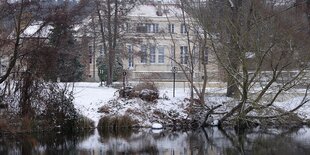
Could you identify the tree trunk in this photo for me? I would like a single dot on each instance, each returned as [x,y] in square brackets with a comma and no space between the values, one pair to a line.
[308,15]
[232,87]
[101,24]
[25,105]
[110,51]
[112,26]
[14,57]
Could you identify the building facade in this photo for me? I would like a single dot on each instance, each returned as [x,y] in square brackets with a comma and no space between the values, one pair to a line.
[160,40]
[168,41]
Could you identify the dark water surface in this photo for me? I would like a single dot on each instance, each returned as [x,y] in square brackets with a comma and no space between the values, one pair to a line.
[210,141]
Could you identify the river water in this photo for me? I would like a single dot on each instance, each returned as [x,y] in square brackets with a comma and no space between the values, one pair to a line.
[211,141]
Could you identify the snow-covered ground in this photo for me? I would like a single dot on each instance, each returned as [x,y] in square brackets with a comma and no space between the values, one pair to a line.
[89,97]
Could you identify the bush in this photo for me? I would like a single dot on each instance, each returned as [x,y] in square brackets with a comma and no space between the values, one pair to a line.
[84,123]
[128,92]
[60,110]
[148,95]
[146,85]
[116,122]
[147,91]
[3,125]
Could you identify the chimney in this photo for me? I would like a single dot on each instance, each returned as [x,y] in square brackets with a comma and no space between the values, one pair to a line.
[159,11]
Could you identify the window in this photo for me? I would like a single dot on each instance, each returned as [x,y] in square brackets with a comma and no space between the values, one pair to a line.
[141,28]
[183,29]
[156,27]
[143,54]
[127,27]
[161,54]
[206,56]
[101,50]
[152,54]
[90,54]
[171,28]
[195,54]
[152,28]
[147,28]
[166,11]
[130,56]
[184,56]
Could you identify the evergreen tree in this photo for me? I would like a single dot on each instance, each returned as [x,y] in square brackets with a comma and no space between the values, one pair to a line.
[68,67]
[102,69]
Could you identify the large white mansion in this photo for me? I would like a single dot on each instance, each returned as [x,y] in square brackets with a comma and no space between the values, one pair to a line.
[165,37]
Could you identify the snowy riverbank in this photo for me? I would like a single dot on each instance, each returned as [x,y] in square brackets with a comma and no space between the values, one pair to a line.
[89,97]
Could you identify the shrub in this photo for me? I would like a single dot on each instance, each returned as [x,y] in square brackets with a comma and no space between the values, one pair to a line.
[128,92]
[104,109]
[84,122]
[3,125]
[60,110]
[146,85]
[148,95]
[116,122]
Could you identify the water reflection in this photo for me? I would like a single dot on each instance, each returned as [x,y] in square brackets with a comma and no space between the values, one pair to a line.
[42,143]
[212,141]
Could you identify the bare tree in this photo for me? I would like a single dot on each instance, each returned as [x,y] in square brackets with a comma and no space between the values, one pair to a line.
[257,44]
[111,15]
[30,56]
[193,61]
[19,24]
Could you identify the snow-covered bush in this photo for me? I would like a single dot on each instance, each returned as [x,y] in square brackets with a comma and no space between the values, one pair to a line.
[44,105]
[59,109]
[147,91]
[148,95]
[127,92]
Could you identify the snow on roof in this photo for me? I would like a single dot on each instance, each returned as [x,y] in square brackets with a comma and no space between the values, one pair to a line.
[151,10]
[281,2]
[144,10]
[36,29]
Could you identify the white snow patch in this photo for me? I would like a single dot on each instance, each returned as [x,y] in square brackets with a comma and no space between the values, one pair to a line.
[303,112]
[151,11]
[215,122]
[157,126]
[37,29]
[89,97]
